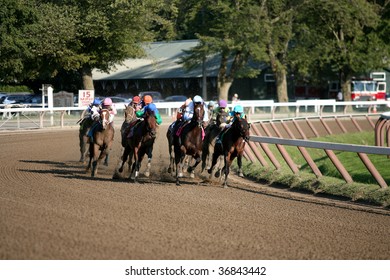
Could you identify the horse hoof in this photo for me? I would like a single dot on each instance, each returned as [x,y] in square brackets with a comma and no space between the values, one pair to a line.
[147,174]
[192,175]
[241,175]
[120,170]
[177,183]
[217,174]
[180,175]
[209,171]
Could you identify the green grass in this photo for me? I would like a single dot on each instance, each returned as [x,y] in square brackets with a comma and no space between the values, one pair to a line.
[364,188]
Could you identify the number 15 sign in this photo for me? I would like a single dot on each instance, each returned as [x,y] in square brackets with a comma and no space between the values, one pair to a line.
[86,97]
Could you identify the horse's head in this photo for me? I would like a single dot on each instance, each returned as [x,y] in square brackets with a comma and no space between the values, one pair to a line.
[242,126]
[104,118]
[129,113]
[198,113]
[151,123]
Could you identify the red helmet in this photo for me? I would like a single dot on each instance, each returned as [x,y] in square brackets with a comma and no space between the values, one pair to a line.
[148,99]
[136,99]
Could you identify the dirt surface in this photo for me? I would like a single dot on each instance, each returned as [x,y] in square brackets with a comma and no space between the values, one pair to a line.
[52,209]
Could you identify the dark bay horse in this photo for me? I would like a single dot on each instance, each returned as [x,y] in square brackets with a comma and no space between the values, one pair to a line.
[141,143]
[212,131]
[102,140]
[129,117]
[189,142]
[231,146]
[85,125]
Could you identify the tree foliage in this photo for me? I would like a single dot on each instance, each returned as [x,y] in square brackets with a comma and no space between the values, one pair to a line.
[41,38]
[339,35]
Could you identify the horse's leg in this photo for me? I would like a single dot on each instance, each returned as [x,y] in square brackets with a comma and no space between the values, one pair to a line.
[95,148]
[83,138]
[213,162]
[148,165]
[227,162]
[90,157]
[178,163]
[239,163]
[191,169]
[106,159]
[125,156]
[134,173]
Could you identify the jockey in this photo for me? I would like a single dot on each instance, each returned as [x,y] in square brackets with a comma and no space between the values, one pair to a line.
[136,103]
[150,107]
[147,105]
[222,112]
[89,113]
[238,112]
[188,113]
[189,110]
[110,106]
[211,111]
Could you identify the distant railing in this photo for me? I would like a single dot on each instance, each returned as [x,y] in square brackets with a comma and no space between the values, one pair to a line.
[256,109]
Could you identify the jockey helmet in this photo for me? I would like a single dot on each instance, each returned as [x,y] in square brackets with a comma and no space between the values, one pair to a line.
[238,109]
[211,104]
[107,102]
[197,99]
[96,101]
[152,107]
[136,99]
[148,99]
[222,103]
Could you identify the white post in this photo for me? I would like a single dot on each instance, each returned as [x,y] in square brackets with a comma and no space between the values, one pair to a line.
[50,103]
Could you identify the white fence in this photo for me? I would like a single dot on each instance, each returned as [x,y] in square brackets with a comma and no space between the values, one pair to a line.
[257,109]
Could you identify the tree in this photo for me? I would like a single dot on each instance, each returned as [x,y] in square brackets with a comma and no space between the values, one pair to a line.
[231,30]
[340,35]
[278,30]
[54,35]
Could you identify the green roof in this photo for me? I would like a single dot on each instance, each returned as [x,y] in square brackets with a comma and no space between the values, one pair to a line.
[161,62]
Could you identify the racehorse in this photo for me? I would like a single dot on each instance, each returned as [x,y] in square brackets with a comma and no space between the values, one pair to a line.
[189,142]
[129,117]
[231,146]
[212,131]
[141,143]
[102,140]
[85,126]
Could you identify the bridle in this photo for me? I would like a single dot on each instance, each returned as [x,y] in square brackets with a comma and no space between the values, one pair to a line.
[199,113]
[104,118]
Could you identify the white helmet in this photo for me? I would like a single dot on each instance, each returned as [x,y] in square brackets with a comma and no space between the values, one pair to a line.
[197,99]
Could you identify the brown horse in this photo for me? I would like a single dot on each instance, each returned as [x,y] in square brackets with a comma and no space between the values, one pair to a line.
[129,118]
[231,145]
[212,131]
[189,142]
[140,143]
[85,125]
[102,140]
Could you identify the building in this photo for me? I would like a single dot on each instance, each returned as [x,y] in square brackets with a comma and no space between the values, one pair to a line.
[160,71]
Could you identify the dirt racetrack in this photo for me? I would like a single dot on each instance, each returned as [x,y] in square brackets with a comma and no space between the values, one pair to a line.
[51,209]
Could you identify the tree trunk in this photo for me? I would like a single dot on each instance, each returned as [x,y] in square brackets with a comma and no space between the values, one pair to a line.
[86,74]
[281,85]
[224,90]
[346,87]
